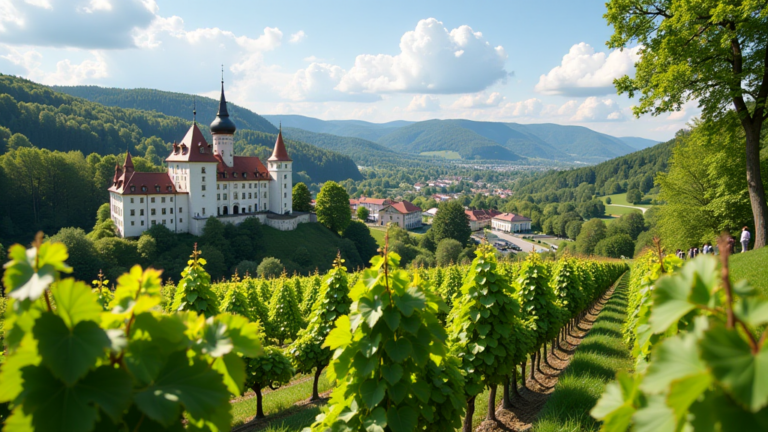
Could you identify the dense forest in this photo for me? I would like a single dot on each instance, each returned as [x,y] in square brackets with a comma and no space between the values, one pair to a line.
[169,103]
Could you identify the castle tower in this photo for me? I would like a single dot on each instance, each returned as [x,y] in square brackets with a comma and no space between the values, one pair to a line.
[281,172]
[223,131]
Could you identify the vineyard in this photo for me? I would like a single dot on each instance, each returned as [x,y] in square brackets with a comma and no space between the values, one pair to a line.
[399,350]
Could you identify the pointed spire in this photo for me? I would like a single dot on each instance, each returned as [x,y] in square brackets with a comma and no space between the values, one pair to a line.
[194,109]
[222,124]
[128,165]
[279,153]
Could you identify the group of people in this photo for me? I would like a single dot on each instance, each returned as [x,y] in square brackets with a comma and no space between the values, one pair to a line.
[709,249]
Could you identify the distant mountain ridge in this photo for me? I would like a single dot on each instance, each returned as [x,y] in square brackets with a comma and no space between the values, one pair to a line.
[169,103]
[478,139]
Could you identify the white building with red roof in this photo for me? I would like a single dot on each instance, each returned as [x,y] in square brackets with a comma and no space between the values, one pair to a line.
[479,219]
[403,213]
[510,222]
[204,180]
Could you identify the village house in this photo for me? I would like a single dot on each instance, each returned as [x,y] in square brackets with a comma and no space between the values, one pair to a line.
[403,214]
[509,222]
[479,219]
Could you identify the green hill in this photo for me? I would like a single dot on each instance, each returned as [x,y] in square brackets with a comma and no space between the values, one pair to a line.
[347,128]
[57,121]
[635,170]
[436,135]
[638,143]
[169,103]
[580,143]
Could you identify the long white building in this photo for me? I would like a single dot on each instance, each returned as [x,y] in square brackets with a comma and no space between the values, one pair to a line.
[203,181]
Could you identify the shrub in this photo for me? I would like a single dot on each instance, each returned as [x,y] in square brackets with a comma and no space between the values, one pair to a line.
[448,251]
[270,268]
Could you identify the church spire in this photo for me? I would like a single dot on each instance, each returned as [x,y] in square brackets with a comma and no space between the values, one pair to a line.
[222,124]
[279,153]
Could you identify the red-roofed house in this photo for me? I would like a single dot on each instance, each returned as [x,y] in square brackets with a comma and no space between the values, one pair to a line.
[479,219]
[374,205]
[401,213]
[203,181]
[511,222]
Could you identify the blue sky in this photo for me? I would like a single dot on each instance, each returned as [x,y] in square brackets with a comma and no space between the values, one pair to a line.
[517,61]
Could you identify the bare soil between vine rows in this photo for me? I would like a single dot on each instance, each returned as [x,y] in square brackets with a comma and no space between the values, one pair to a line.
[538,389]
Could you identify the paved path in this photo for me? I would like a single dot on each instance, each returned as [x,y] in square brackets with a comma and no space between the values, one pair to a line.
[524,245]
[642,209]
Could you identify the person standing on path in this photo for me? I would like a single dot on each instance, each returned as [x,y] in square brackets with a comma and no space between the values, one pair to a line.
[745,237]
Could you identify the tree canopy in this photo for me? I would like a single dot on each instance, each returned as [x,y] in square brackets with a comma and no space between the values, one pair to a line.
[332,207]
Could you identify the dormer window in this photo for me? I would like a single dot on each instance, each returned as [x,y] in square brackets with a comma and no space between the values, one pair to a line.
[245,175]
[157,188]
[202,149]
[133,188]
[170,188]
[234,174]
[143,188]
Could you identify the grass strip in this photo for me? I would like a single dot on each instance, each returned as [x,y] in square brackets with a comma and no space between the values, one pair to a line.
[598,358]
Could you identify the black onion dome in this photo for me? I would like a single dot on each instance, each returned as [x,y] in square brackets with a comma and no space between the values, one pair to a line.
[222,124]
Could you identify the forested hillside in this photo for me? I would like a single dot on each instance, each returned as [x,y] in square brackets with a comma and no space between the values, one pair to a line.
[169,103]
[633,171]
[347,128]
[437,135]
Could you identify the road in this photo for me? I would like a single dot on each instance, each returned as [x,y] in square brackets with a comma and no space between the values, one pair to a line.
[524,245]
[642,209]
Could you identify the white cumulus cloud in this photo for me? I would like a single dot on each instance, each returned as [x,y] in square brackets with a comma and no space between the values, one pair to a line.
[424,103]
[527,108]
[584,72]
[298,37]
[98,24]
[431,60]
[67,72]
[478,100]
[318,81]
[594,109]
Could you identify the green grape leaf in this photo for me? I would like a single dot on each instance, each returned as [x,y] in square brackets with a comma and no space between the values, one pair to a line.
[744,375]
[243,334]
[670,303]
[654,417]
[392,318]
[398,350]
[341,335]
[75,302]
[370,310]
[55,406]
[199,389]
[376,421]
[392,372]
[685,391]
[109,388]
[413,299]
[404,419]
[372,392]
[616,405]
[232,368]
[215,342]
[673,359]
[69,354]
[753,311]
[11,383]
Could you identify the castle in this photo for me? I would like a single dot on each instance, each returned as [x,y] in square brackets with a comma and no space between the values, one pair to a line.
[204,181]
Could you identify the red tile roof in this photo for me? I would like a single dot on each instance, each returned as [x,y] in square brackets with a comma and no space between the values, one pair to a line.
[243,168]
[377,201]
[193,148]
[511,217]
[481,215]
[144,183]
[353,201]
[405,207]
[279,153]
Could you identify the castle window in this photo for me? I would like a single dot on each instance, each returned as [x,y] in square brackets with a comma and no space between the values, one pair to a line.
[163,210]
[154,222]
[234,195]
[285,194]
[225,187]
[152,200]
[132,223]
[141,212]
[202,187]
[163,221]
[203,210]
[249,196]
[218,187]
[142,223]
[225,197]
[202,170]
[218,197]
[243,185]
[170,210]
[181,220]
[265,194]
[152,212]
[162,199]
[181,210]
[141,200]
[131,200]
[203,179]
[171,199]
[285,186]
[133,212]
